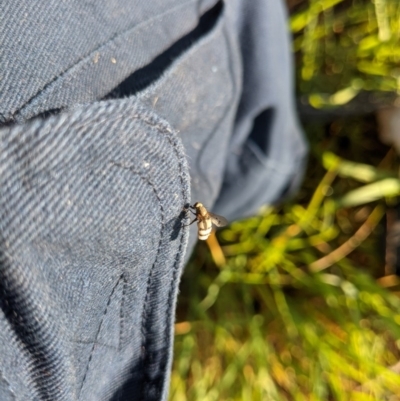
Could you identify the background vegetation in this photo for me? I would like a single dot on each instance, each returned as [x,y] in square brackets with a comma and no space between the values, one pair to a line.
[301,302]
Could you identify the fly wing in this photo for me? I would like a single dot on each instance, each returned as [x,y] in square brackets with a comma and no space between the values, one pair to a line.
[219,221]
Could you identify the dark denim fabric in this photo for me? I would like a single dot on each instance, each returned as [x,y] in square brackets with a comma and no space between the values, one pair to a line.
[266,149]
[92,249]
[113,112]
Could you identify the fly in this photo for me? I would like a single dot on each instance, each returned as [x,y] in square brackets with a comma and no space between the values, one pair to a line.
[205,220]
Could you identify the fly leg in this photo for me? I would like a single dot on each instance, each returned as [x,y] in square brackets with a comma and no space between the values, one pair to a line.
[187,225]
[190,210]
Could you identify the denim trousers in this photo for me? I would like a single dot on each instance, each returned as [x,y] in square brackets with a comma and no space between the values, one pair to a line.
[115,116]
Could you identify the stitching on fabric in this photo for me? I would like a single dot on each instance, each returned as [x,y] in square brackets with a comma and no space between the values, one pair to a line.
[85,61]
[149,279]
[121,313]
[122,277]
[184,233]
[150,276]
[161,130]
[98,332]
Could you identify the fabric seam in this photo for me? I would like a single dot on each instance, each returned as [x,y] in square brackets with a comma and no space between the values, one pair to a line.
[184,233]
[98,332]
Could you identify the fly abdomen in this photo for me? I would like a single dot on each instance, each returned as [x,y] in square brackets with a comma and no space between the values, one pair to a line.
[204,229]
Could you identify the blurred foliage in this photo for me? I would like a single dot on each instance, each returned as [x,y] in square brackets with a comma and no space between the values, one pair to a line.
[343,47]
[294,303]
